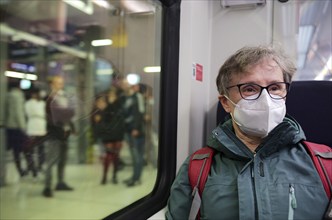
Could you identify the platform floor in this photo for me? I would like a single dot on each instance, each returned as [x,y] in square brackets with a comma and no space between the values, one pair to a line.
[22,198]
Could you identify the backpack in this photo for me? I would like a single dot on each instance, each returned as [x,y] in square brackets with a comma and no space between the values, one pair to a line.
[200,164]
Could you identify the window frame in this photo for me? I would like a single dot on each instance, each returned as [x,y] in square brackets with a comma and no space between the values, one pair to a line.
[157,199]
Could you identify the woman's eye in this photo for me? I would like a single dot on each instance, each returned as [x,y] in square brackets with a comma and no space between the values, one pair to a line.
[249,89]
[274,88]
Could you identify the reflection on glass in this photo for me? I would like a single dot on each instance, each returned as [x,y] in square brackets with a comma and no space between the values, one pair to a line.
[314,40]
[87,145]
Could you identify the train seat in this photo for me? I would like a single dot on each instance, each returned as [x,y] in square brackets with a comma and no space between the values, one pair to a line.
[310,103]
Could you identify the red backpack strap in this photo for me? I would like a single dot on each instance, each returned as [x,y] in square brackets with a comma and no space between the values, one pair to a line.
[199,169]
[321,155]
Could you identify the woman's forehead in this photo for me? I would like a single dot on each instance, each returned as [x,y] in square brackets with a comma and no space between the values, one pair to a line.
[264,71]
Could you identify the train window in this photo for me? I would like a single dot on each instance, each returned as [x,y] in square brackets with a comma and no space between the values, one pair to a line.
[314,40]
[103,73]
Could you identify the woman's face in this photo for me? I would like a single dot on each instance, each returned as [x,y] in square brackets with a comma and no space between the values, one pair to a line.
[264,73]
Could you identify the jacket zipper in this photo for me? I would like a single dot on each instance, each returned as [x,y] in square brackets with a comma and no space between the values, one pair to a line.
[253,186]
[292,202]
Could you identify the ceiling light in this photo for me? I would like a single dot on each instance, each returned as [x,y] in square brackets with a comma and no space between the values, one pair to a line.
[133,78]
[152,69]
[242,3]
[20,75]
[25,84]
[83,5]
[103,4]
[15,74]
[101,42]
[105,71]
[138,6]
[30,76]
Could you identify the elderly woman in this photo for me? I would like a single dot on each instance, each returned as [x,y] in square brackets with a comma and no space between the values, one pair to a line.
[260,169]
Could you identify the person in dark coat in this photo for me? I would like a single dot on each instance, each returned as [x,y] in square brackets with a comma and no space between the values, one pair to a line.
[108,126]
[134,111]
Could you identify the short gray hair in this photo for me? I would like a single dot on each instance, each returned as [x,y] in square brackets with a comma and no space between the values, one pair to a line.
[248,56]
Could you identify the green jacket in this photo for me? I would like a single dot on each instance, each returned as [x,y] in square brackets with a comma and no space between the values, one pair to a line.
[278,182]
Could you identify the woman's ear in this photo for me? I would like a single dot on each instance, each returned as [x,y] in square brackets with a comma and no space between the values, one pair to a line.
[225,103]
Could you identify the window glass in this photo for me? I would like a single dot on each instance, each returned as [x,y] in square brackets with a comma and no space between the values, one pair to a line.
[314,40]
[105,116]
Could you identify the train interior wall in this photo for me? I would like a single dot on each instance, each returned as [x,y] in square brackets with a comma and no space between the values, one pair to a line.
[209,33]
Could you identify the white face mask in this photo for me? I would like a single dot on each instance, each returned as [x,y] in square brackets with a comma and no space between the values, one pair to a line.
[258,117]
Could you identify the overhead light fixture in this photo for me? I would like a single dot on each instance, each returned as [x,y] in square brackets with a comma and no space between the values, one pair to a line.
[101,42]
[152,69]
[103,4]
[133,78]
[105,71]
[25,84]
[138,6]
[242,3]
[20,75]
[15,74]
[84,5]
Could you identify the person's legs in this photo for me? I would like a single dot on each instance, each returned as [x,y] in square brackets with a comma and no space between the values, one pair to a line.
[17,160]
[117,145]
[138,159]
[52,151]
[140,156]
[40,151]
[106,162]
[136,162]
[62,160]
[14,139]
[63,147]
[28,153]
[130,142]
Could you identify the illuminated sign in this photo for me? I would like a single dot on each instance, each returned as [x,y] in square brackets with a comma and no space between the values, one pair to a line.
[22,67]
